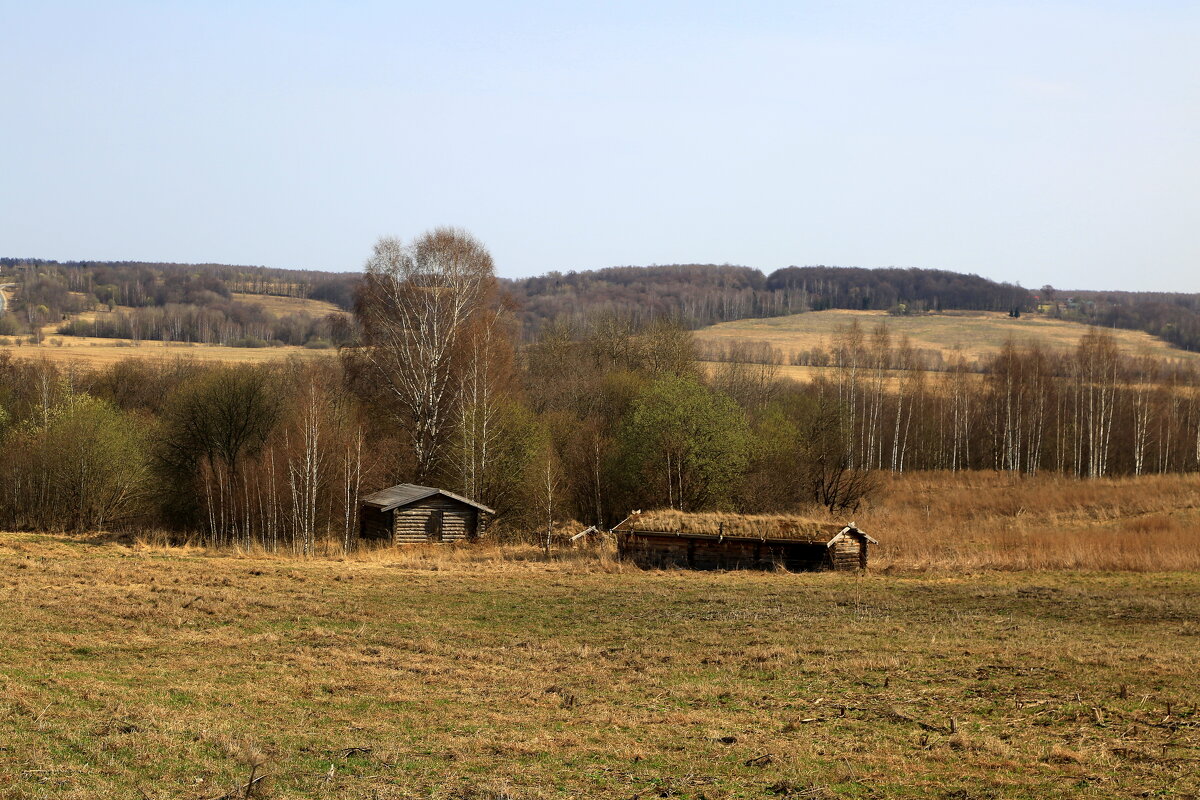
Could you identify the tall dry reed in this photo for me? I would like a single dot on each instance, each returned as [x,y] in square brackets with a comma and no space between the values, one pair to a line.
[978,520]
[924,521]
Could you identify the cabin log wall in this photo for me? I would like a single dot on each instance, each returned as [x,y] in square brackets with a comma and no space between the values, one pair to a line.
[418,524]
[658,549]
[849,552]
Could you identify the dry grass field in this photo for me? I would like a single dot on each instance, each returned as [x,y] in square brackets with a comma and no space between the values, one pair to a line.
[963,671]
[971,334]
[281,306]
[965,521]
[140,672]
[803,374]
[102,352]
[94,351]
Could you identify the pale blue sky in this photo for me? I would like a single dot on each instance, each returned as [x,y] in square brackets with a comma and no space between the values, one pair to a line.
[1026,141]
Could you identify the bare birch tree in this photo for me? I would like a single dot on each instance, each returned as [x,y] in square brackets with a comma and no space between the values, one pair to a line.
[485,383]
[549,481]
[850,353]
[1142,392]
[415,308]
[1097,362]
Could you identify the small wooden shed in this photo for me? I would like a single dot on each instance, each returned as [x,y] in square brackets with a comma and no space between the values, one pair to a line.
[412,514]
[671,539]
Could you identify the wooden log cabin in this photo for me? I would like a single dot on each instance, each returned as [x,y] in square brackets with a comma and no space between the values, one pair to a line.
[658,541]
[412,514]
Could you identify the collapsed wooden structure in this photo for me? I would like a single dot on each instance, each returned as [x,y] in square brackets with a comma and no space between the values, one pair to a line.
[412,514]
[742,542]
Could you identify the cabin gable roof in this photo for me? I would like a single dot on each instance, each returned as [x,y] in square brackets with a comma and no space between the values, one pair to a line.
[850,530]
[405,494]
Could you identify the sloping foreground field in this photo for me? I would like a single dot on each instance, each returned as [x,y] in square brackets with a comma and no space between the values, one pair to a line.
[973,334]
[136,672]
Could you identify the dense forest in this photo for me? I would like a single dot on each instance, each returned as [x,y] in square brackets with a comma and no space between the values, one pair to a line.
[584,419]
[699,295]
[703,294]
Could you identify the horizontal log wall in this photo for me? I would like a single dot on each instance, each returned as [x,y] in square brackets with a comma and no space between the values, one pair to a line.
[418,523]
[849,552]
[656,550]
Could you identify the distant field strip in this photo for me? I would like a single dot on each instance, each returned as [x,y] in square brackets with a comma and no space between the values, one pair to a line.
[802,374]
[971,334]
[281,306]
[101,352]
[97,351]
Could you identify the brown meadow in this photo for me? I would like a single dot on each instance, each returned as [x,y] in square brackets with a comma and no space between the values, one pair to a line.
[977,520]
[98,352]
[141,671]
[970,334]
[968,665]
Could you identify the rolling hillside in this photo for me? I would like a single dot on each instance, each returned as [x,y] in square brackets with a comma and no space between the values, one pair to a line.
[99,351]
[97,307]
[280,306]
[972,335]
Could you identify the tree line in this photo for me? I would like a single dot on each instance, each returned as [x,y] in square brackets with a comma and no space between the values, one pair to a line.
[704,294]
[144,283]
[695,294]
[172,302]
[1174,318]
[585,420]
[234,323]
[1091,411]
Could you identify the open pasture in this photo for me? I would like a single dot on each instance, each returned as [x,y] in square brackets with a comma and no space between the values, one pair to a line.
[138,671]
[281,306]
[98,352]
[972,335]
[964,521]
[805,374]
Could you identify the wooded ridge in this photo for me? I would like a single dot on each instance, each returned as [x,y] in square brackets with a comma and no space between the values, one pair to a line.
[693,294]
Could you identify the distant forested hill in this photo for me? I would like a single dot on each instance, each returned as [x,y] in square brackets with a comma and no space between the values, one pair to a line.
[1172,317]
[144,283]
[172,302]
[703,294]
[695,294]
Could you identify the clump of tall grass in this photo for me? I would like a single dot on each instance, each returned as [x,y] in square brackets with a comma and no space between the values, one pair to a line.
[966,521]
[600,555]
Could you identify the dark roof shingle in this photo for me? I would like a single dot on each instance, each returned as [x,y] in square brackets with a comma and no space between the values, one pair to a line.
[403,494]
